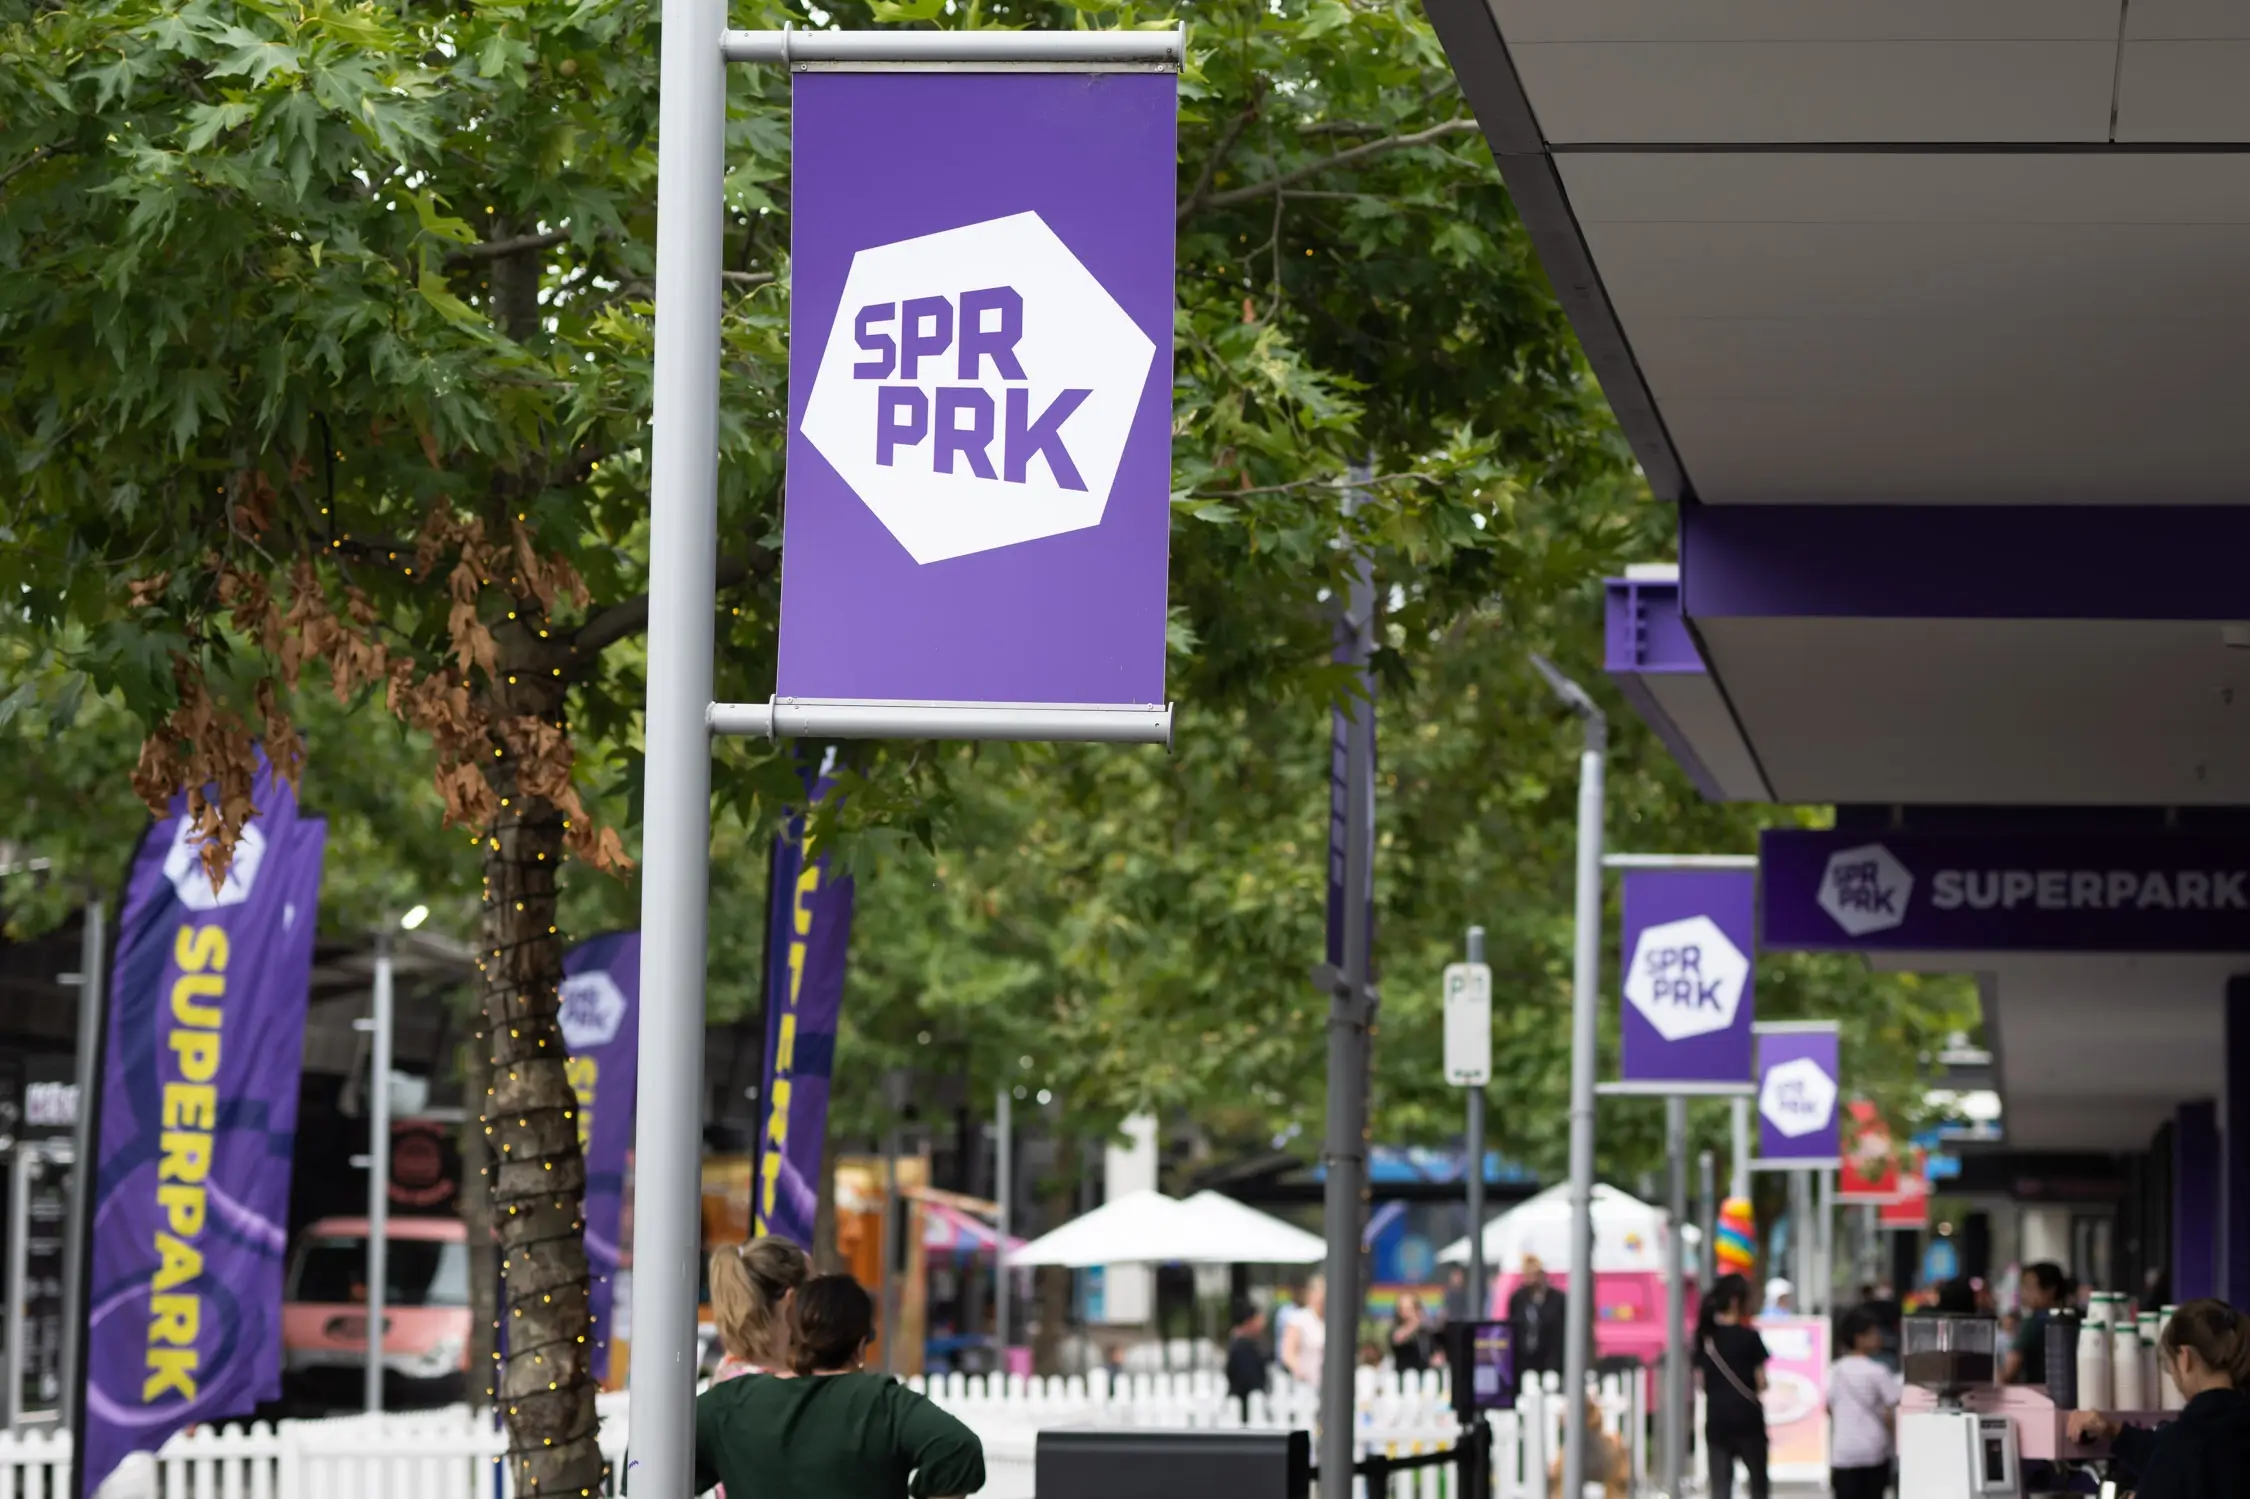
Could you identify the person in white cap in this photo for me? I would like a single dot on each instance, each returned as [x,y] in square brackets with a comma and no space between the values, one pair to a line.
[1780,1298]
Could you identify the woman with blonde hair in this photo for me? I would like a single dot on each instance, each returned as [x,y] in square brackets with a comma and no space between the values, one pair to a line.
[751,1288]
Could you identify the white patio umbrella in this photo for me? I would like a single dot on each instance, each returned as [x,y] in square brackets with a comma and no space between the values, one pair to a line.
[1628,1234]
[1140,1228]
[1232,1233]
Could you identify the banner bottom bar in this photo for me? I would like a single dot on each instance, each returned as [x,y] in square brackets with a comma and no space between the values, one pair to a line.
[1623,1089]
[836,718]
[1810,1163]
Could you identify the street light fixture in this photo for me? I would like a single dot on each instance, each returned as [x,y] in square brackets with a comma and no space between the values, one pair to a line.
[1585,978]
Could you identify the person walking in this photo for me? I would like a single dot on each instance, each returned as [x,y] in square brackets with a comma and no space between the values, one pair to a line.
[1246,1356]
[1730,1364]
[2205,1453]
[829,1430]
[1412,1338]
[1535,1321]
[1863,1399]
[1304,1339]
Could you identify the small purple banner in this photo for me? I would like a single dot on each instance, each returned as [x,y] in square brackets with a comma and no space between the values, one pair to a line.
[808,936]
[1689,967]
[1856,891]
[980,388]
[204,1040]
[601,1024]
[1798,1089]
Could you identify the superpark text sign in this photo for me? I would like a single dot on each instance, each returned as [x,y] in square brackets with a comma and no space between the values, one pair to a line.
[2038,893]
[1688,964]
[980,387]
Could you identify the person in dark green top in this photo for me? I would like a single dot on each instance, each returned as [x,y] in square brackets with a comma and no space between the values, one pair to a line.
[831,1431]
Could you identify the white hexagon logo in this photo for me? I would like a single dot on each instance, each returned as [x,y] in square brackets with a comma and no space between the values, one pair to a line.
[1798,1097]
[1687,978]
[183,866]
[1865,889]
[978,388]
[593,1007]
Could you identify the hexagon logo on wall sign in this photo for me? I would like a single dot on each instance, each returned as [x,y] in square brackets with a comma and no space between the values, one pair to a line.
[1865,889]
[1798,1097]
[592,1009]
[1687,979]
[183,866]
[978,388]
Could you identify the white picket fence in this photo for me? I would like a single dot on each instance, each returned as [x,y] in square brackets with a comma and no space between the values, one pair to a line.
[451,1454]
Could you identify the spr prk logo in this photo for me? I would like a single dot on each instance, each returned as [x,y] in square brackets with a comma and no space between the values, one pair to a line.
[593,1007]
[1687,978]
[977,388]
[1798,1098]
[1865,890]
[183,866]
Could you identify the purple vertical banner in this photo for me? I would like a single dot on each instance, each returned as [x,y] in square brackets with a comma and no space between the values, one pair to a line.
[1689,966]
[601,1024]
[1798,1091]
[980,388]
[204,1041]
[808,934]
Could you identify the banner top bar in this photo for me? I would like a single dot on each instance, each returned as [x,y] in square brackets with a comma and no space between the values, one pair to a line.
[790,46]
[1679,861]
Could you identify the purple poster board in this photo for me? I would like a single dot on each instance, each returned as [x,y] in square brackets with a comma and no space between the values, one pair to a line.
[1689,974]
[1798,1091]
[204,1041]
[980,378]
[601,1024]
[1853,891]
[808,937]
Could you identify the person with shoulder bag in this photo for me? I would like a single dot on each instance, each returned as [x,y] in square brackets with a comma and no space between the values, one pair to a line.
[1730,1364]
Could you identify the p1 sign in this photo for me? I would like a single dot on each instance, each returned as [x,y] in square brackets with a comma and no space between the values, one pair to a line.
[1468,1024]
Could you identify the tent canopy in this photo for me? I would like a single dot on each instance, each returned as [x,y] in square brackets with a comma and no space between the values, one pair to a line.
[1148,1228]
[1629,1234]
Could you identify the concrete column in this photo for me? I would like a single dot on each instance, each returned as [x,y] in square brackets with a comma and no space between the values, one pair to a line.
[2195,1200]
[2234,1140]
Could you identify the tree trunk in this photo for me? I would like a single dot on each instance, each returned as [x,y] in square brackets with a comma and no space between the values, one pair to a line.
[539,1178]
[476,1217]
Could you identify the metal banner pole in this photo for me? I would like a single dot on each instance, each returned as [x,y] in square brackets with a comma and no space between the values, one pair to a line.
[379,1173]
[1801,1228]
[1738,1184]
[93,956]
[886,1319]
[1824,1244]
[1004,1192]
[1584,1002]
[1707,1218]
[1675,1305]
[22,1161]
[1475,1164]
[1350,1013]
[676,836]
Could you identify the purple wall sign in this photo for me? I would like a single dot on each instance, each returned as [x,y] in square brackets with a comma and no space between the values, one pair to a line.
[2030,893]
[204,1040]
[1689,961]
[808,936]
[601,1024]
[1798,1090]
[980,388]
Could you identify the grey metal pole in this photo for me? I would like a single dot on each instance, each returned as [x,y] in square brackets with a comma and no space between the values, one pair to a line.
[1584,1000]
[886,1321]
[379,1173]
[1738,1184]
[676,822]
[1475,1176]
[22,1161]
[1707,1218]
[1350,1013]
[1675,1302]
[1801,1231]
[1824,1223]
[1004,1180]
[93,955]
